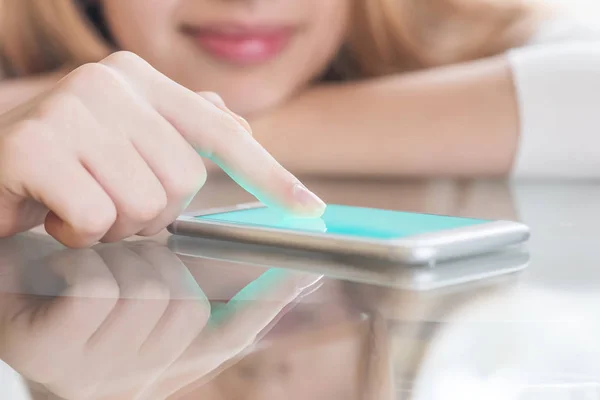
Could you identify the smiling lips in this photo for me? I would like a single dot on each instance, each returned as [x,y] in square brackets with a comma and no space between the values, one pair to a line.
[242,45]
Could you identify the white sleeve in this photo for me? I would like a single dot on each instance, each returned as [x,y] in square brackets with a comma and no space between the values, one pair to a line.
[557,80]
[12,385]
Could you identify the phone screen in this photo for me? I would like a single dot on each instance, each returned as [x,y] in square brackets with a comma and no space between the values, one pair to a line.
[369,223]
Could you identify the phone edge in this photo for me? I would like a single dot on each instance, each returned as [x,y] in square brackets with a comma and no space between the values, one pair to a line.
[416,250]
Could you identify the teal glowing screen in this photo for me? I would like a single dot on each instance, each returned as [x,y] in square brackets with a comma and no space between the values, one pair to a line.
[368,223]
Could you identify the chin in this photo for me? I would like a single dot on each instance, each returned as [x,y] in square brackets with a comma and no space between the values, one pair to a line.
[250,105]
[248,95]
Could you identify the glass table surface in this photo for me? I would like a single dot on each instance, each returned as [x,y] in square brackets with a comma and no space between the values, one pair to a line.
[180,318]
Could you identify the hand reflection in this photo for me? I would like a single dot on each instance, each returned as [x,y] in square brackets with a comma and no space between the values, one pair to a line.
[128,321]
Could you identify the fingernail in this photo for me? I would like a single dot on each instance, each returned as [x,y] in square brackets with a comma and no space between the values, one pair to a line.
[308,200]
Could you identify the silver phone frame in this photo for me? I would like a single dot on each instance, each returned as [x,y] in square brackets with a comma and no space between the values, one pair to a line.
[414,250]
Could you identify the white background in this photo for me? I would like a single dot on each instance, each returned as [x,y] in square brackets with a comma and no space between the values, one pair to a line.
[585,8]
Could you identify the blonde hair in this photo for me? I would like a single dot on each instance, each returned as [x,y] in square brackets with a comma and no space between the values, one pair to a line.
[41,36]
[398,35]
[386,36]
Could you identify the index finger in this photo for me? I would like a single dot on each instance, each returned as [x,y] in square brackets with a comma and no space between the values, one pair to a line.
[237,325]
[219,136]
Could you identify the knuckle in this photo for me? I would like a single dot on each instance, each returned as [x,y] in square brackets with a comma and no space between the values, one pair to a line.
[227,129]
[101,297]
[99,288]
[231,125]
[201,177]
[187,184]
[146,209]
[124,59]
[234,130]
[199,311]
[151,231]
[95,222]
[195,311]
[148,289]
[91,73]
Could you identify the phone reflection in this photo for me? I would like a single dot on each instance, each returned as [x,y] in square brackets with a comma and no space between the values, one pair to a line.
[355,269]
[402,307]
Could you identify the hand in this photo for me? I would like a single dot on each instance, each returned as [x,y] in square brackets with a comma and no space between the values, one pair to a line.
[128,322]
[112,151]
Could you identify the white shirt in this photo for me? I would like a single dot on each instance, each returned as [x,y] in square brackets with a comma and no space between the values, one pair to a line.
[557,79]
[11,385]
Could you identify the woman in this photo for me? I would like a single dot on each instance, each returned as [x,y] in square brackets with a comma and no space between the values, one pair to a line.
[329,88]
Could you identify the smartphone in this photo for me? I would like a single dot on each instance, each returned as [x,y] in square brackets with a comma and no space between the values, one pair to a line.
[409,238]
[452,274]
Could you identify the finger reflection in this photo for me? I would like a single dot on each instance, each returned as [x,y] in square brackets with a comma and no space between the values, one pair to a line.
[130,320]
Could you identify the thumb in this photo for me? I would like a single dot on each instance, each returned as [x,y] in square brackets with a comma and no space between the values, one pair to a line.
[19,215]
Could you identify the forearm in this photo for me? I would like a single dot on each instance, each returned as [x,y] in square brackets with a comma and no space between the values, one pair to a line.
[455,121]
